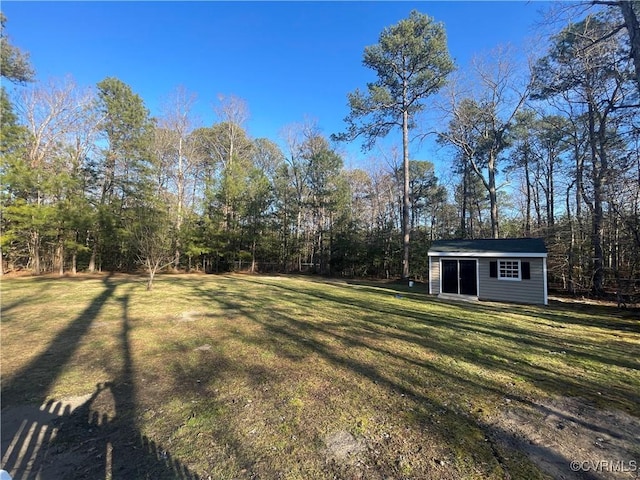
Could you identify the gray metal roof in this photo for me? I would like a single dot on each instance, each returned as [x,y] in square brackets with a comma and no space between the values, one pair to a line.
[490,245]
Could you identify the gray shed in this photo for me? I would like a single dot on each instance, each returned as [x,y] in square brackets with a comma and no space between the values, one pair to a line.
[505,270]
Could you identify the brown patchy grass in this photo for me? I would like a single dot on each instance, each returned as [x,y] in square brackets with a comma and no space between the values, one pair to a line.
[249,376]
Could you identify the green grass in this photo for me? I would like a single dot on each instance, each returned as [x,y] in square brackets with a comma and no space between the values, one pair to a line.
[240,376]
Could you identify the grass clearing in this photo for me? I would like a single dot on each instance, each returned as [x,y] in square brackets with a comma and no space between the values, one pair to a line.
[272,377]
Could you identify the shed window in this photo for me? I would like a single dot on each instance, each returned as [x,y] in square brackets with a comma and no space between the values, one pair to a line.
[509,269]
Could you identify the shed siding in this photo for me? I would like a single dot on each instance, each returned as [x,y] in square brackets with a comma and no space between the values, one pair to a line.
[435,275]
[523,291]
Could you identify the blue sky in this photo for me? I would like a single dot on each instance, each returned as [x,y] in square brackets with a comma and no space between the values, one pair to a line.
[288,60]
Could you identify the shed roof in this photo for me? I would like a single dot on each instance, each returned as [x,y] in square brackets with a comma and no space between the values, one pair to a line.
[485,246]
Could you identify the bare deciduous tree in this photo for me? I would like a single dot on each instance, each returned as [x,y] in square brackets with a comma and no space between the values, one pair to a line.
[154,241]
[480,122]
[177,154]
[233,113]
[59,119]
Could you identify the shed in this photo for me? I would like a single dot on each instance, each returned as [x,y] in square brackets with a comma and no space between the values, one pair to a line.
[505,270]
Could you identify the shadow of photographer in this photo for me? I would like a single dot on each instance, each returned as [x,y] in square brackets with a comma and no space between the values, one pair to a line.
[89,437]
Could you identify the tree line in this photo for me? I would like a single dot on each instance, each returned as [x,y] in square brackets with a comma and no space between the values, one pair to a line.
[92,181]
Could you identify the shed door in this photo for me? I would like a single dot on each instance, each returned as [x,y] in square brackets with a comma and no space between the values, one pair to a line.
[468,284]
[450,276]
[459,277]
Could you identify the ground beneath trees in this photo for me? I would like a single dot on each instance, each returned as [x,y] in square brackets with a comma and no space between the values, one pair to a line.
[568,438]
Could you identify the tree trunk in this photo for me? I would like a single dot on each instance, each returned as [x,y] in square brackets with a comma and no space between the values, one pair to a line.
[633,27]
[406,206]
[321,240]
[92,260]
[550,194]
[493,198]
[298,237]
[330,254]
[179,219]
[596,240]
[597,283]
[176,257]
[465,193]
[285,239]
[60,258]
[253,255]
[35,252]
[151,269]
[527,212]
[571,287]
[536,203]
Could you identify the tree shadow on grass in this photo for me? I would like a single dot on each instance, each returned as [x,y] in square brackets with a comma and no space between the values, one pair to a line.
[510,363]
[44,370]
[541,340]
[299,339]
[90,437]
[603,316]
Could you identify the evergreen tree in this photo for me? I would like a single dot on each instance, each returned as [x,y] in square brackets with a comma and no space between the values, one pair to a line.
[412,62]
[125,174]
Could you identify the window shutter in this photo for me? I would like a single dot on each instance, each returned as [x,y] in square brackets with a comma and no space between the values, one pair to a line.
[526,271]
[493,269]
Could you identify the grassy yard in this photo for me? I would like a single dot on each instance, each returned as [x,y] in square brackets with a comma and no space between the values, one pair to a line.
[298,378]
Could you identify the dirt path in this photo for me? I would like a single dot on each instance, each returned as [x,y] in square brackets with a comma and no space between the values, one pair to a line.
[570,439]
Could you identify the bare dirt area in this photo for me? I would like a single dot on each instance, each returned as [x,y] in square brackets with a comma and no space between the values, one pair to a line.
[79,438]
[570,439]
[29,433]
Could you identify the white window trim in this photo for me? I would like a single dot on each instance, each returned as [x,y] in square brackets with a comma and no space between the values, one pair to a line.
[510,279]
